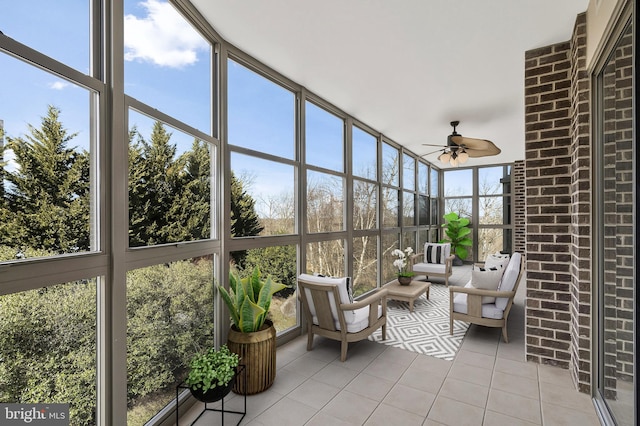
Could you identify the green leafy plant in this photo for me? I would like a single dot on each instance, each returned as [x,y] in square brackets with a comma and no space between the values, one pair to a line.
[249,300]
[212,369]
[457,230]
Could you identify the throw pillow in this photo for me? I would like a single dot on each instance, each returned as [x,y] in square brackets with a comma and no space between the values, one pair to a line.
[434,253]
[498,260]
[486,278]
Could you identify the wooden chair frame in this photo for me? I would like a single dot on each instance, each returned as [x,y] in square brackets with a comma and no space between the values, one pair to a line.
[474,305]
[321,294]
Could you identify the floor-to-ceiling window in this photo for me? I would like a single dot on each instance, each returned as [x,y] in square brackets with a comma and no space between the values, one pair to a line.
[616,228]
[482,195]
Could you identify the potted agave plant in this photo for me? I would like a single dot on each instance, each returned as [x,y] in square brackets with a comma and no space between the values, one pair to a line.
[212,374]
[252,335]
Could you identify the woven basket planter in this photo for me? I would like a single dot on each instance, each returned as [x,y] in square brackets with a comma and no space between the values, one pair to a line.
[257,352]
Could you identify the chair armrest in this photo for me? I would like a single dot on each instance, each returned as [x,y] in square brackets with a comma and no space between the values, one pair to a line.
[413,257]
[375,297]
[448,262]
[480,292]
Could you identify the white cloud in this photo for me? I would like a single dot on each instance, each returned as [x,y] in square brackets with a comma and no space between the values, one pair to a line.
[163,37]
[59,85]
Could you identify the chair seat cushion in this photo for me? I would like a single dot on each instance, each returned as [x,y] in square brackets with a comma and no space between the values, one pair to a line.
[489,310]
[358,322]
[426,268]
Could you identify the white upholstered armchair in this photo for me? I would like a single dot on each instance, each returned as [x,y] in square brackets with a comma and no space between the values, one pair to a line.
[329,311]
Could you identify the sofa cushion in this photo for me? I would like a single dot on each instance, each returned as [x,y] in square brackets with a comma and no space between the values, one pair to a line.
[429,268]
[489,310]
[342,290]
[436,252]
[509,279]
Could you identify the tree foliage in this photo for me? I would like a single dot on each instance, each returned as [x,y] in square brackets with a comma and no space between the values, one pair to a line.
[46,202]
[48,336]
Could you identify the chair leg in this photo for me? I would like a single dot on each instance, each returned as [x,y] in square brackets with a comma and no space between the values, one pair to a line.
[450,325]
[309,339]
[504,334]
[384,332]
[343,350]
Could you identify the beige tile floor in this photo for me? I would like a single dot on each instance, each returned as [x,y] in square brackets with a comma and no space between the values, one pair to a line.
[488,383]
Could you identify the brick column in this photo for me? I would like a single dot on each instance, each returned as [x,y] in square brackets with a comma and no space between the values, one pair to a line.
[548,217]
[581,226]
[519,208]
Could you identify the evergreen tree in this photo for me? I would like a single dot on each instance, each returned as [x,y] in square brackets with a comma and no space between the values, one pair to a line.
[153,179]
[190,213]
[46,203]
[244,219]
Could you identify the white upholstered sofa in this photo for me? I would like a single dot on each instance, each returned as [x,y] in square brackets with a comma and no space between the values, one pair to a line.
[435,260]
[489,308]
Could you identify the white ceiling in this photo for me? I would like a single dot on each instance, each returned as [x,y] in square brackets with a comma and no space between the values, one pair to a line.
[406,67]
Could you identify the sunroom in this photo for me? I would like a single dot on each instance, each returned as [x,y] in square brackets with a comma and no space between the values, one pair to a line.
[149,148]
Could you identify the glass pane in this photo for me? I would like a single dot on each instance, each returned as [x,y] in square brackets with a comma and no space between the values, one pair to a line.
[169,320]
[490,240]
[390,242]
[365,205]
[261,114]
[408,172]
[46,162]
[458,182]
[423,210]
[390,207]
[324,138]
[409,240]
[462,206]
[325,202]
[434,235]
[262,196]
[408,209]
[365,154]
[491,181]
[326,258]
[617,287]
[434,183]
[365,264]
[435,211]
[423,178]
[60,29]
[280,263]
[390,165]
[491,210]
[48,348]
[167,63]
[169,184]
[423,237]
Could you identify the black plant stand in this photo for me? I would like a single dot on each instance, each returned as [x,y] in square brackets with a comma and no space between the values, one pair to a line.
[221,410]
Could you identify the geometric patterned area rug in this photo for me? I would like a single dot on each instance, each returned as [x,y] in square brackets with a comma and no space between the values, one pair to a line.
[426,329]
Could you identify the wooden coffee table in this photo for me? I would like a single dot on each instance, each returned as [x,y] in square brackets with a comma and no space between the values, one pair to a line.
[407,293]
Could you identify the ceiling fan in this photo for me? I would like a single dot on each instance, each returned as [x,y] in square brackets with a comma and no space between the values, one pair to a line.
[459,148]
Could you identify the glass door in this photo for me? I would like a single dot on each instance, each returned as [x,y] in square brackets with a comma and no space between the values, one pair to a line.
[616,208]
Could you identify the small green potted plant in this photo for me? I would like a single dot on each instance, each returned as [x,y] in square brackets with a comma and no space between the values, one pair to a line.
[457,230]
[212,374]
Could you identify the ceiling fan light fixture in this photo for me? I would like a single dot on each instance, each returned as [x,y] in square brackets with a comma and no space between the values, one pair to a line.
[454,161]
[463,157]
[445,157]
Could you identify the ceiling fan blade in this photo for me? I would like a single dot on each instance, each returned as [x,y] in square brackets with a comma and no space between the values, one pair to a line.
[480,152]
[482,147]
[432,152]
[428,144]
